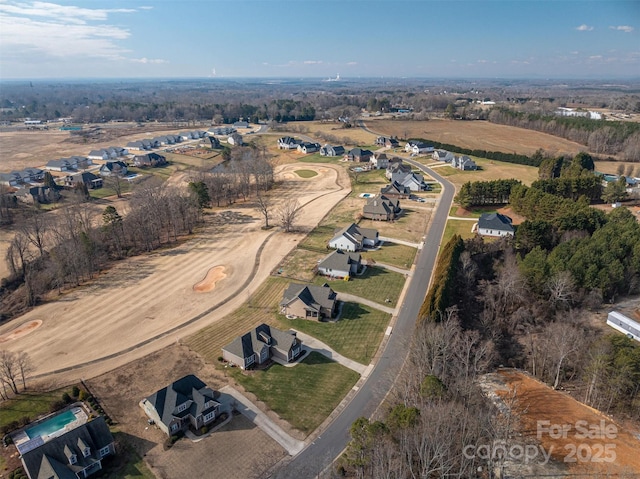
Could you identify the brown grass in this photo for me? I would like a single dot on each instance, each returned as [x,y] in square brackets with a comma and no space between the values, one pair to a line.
[478,135]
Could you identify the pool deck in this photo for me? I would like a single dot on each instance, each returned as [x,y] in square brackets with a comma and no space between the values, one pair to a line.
[25,443]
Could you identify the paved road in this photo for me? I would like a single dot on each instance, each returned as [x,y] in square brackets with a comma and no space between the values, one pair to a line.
[332,441]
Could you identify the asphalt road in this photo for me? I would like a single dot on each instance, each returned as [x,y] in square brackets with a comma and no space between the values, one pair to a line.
[312,460]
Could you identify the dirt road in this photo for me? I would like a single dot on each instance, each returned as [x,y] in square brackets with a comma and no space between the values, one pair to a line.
[144,297]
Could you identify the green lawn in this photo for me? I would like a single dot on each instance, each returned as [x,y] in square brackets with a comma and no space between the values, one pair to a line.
[394,254]
[303,395]
[319,237]
[376,284]
[127,464]
[29,403]
[306,173]
[460,227]
[318,158]
[356,335]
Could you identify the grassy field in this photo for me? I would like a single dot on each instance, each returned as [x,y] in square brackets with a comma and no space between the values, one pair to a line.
[394,254]
[409,227]
[318,158]
[29,403]
[353,136]
[376,284]
[306,173]
[356,335]
[304,395]
[459,227]
[299,264]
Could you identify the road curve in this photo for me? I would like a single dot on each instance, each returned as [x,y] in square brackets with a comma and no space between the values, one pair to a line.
[312,460]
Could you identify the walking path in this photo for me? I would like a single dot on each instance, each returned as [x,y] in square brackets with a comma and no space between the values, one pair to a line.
[394,268]
[313,344]
[368,302]
[399,241]
[461,218]
[260,419]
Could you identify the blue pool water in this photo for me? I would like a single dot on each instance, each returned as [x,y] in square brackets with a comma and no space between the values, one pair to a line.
[51,425]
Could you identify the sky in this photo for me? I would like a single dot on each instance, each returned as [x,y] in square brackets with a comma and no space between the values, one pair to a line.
[319,38]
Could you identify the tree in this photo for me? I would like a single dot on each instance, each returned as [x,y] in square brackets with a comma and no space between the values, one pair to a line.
[264,206]
[615,190]
[288,214]
[9,369]
[115,182]
[202,193]
[25,366]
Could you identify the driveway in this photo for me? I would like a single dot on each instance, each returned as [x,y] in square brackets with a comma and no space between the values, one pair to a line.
[314,344]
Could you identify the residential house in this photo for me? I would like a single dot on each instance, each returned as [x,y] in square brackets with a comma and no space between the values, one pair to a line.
[37,194]
[185,135]
[288,143]
[381,208]
[196,134]
[221,130]
[212,142]
[309,301]
[627,326]
[136,145]
[354,238]
[340,264]
[395,190]
[396,167]
[183,403]
[260,345]
[114,168]
[307,147]
[443,155]
[379,160]
[77,453]
[234,139]
[32,175]
[11,179]
[164,140]
[411,180]
[387,141]
[67,164]
[358,155]
[418,148]
[241,124]
[328,150]
[495,224]
[150,159]
[92,181]
[26,176]
[464,163]
[99,155]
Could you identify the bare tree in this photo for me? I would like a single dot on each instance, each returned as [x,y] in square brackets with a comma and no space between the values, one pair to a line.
[9,370]
[561,288]
[564,340]
[23,361]
[264,206]
[288,214]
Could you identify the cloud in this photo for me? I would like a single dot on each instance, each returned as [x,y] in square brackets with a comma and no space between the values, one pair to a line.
[312,62]
[45,30]
[352,63]
[584,28]
[595,57]
[146,60]
[622,28]
[145,8]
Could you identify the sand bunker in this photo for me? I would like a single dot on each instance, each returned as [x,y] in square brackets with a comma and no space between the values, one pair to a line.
[214,275]
[21,330]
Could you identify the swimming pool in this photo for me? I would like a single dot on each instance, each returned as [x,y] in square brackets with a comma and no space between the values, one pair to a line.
[51,425]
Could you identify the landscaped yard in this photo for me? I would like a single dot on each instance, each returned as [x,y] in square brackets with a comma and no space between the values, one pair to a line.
[356,335]
[459,227]
[376,284]
[299,264]
[394,254]
[304,395]
[29,404]
[318,158]
[411,226]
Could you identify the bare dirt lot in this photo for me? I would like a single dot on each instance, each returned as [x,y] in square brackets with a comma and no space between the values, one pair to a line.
[149,295]
[581,438]
[478,135]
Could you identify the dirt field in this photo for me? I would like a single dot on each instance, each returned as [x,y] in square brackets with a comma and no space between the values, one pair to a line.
[149,295]
[478,135]
[587,441]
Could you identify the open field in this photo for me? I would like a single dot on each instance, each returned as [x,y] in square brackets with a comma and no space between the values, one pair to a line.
[411,226]
[353,135]
[480,135]
[457,227]
[607,449]
[356,335]
[303,395]
[392,253]
[490,170]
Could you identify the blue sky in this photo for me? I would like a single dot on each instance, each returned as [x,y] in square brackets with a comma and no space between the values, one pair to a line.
[319,38]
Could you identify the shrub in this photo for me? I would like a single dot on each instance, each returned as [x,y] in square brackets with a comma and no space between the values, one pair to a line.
[57,405]
[204,430]
[220,359]
[66,398]
[75,391]
[83,395]
[24,420]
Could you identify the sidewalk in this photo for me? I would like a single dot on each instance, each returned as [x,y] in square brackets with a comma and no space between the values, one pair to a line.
[260,419]
[368,302]
[399,241]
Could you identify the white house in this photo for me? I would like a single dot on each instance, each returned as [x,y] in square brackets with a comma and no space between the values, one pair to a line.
[379,161]
[624,324]
[234,139]
[495,224]
[443,155]
[418,147]
[354,238]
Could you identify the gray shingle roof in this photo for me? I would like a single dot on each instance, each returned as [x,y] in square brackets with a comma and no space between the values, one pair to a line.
[495,221]
[339,260]
[256,339]
[314,297]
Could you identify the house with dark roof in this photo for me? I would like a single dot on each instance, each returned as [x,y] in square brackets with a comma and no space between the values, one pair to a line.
[309,301]
[260,345]
[418,147]
[77,453]
[241,124]
[379,160]
[307,147]
[150,159]
[381,208]
[495,224]
[114,168]
[443,155]
[37,194]
[358,155]
[92,181]
[183,403]
[395,190]
[463,163]
[221,130]
[26,176]
[212,142]
[329,150]
[396,167]
[67,164]
[411,180]
[137,145]
[235,139]
[354,238]
[340,264]
[389,142]
[288,143]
